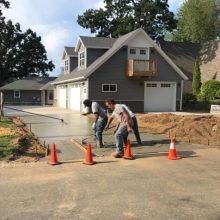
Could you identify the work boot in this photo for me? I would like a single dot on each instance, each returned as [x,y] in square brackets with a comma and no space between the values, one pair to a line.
[99,143]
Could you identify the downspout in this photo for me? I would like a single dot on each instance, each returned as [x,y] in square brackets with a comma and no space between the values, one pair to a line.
[181,96]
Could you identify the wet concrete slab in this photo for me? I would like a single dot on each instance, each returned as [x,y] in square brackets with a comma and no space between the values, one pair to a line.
[72,135]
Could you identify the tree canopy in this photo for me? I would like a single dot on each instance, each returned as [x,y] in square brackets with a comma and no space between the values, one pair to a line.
[121,17]
[198,21]
[21,53]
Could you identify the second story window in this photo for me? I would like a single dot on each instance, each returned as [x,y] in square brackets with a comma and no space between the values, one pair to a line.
[132,51]
[82,59]
[66,65]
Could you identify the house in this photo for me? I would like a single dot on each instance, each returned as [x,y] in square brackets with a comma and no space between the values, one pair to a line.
[29,91]
[184,54]
[131,69]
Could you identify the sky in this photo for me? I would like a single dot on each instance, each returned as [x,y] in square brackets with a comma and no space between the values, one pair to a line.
[56,22]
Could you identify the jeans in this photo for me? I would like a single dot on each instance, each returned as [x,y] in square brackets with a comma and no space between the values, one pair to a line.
[135,129]
[99,127]
[120,135]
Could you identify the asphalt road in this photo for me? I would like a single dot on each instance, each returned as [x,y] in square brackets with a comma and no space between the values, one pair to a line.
[149,187]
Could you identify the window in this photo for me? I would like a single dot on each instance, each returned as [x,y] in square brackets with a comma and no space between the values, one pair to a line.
[16,94]
[132,51]
[50,95]
[151,85]
[82,59]
[142,52]
[109,87]
[66,65]
[165,85]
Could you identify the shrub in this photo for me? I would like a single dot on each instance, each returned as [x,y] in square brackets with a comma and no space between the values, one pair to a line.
[189,97]
[209,89]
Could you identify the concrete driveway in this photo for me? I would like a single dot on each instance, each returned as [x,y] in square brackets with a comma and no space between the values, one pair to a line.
[52,130]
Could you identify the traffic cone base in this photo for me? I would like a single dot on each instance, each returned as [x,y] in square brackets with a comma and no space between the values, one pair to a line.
[128,155]
[53,156]
[89,160]
[172,152]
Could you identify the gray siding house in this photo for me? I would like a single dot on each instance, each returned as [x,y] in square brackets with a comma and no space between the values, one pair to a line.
[29,91]
[131,69]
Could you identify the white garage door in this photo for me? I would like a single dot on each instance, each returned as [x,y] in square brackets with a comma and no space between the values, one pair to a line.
[61,97]
[160,97]
[75,97]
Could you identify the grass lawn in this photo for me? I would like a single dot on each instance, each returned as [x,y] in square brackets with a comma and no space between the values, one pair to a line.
[7,134]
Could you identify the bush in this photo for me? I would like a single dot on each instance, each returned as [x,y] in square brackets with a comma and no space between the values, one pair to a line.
[209,89]
[217,94]
[189,97]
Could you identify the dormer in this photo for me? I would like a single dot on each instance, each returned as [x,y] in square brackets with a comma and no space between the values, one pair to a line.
[70,59]
[91,48]
[140,59]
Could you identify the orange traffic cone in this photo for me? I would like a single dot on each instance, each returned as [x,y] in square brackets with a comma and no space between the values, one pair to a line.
[53,156]
[89,160]
[128,154]
[172,153]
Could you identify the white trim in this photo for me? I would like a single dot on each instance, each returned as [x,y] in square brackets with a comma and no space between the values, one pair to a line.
[109,84]
[181,96]
[68,80]
[19,96]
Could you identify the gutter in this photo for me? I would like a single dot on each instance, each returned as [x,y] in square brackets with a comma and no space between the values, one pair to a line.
[68,80]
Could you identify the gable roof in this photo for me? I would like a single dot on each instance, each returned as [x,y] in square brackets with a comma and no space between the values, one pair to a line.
[95,42]
[70,51]
[183,54]
[29,83]
[119,43]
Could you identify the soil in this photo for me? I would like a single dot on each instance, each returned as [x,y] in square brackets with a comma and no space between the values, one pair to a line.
[197,129]
[30,148]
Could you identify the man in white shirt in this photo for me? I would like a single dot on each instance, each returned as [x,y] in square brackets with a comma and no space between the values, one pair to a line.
[101,119]
[123,128]
[134,120]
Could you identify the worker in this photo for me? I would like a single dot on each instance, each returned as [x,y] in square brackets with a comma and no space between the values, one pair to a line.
[100,121]
[134,120]
[123,128]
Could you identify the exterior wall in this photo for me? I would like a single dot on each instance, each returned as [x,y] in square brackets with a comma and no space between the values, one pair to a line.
[73,63]
[165,73]
[93,54]
[27,97]
[130,90]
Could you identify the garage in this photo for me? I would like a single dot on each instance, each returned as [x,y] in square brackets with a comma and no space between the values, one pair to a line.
[160,97]
[62,97]
[75,96]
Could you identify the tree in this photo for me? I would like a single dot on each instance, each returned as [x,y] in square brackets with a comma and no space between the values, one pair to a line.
[196,83]
[121,17]
[198,21]
[21,53]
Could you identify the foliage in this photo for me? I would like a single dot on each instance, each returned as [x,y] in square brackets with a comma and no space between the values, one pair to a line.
[196,83]
[189,97]
[6,148]
[21,53]
[121,17]
[210,89]
[198,21]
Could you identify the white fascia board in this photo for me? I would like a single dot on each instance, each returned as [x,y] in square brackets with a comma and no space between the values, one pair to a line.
[68,80]
[79,42]
[160,51]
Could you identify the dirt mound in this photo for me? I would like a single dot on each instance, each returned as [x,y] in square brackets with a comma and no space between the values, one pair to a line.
[30,147]
[194,128]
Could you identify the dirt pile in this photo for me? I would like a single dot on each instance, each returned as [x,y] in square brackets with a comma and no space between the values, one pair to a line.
[194,128]
[31,148]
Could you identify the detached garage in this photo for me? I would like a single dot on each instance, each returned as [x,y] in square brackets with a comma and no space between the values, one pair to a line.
[160,96]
